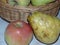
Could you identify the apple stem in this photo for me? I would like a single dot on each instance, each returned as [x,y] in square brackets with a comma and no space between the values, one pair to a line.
[18,24]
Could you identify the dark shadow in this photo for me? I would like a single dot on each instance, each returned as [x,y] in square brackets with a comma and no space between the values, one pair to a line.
[4,19]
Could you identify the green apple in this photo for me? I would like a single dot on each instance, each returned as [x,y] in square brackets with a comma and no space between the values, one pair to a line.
[23,2]
[40,2]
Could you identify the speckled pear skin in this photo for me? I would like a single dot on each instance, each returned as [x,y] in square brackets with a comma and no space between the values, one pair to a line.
[45,27]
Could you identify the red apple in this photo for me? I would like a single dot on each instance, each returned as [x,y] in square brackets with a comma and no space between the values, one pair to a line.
[18,33]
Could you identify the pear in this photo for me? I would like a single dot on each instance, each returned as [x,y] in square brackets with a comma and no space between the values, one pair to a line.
[40,2]
[3,1]
[12,2]
[23,2]
[45,27]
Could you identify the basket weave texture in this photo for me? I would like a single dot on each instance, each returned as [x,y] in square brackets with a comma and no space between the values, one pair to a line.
[12,13]
[59,3]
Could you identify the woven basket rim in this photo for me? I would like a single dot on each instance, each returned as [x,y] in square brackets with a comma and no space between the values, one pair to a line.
[9,11]
[33,8]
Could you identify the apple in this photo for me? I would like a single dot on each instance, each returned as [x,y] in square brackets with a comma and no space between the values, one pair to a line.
[23,2]
[18,33]
[40,2]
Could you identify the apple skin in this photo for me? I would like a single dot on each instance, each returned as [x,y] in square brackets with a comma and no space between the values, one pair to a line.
[18,33]
[40,2]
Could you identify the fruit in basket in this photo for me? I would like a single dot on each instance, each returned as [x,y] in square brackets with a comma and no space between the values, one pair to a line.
[3,1]
[23,2]
[46,27]
[40,2]
[11,2]
[18,33]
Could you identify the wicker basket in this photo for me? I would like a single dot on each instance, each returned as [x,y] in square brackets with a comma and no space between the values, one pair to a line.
[12,13]
[59,3]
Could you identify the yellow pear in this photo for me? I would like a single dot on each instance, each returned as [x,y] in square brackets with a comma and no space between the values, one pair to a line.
[45,27]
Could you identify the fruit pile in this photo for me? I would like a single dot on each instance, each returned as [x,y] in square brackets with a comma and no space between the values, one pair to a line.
[28,2]
[46,29]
